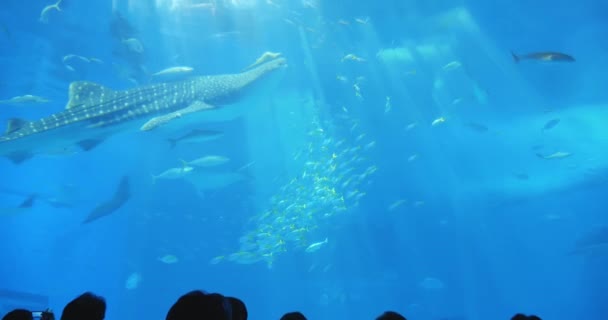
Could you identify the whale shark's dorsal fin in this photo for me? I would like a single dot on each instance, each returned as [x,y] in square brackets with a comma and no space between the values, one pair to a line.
[87,93]
[14,125]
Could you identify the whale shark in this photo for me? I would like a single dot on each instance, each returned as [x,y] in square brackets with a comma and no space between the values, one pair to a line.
[94,112]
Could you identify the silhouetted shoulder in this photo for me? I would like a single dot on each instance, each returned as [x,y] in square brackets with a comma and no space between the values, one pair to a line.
[239,310]
[391,315]
[86,306]
[18,314]
[199,305]
[293,316]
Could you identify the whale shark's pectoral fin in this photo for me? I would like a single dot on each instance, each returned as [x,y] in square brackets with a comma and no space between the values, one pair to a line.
[165,118]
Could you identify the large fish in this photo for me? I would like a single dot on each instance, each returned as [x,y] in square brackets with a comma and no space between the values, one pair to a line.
[94,112]
[195,136]
[544,56]
[555,155]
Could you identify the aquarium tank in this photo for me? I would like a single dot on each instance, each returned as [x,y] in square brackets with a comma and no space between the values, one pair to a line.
[445,160]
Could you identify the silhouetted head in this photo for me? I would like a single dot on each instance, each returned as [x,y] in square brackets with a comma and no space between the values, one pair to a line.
[18,314]
[239,311]
[391,315]
[87,306]
[196,305]
[519,316]
[533,317]
[293,316]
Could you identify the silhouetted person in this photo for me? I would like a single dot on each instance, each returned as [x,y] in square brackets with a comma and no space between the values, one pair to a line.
[520,316]
[87,306]
[293,316]
[391,315]
[239,311]
[18,314]
[197,305]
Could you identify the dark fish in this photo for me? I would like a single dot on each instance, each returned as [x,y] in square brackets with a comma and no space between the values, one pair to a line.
[29,202]
[537,147]
[595,241]
[5,31]
[544,56]
[598,235]
[550,124]
[477,127]
[521,175]
[196,135]
[121,196]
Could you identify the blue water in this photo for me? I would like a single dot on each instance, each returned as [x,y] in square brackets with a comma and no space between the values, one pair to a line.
[459,219]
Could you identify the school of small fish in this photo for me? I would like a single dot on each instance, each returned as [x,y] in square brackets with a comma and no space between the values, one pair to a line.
[332,180]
